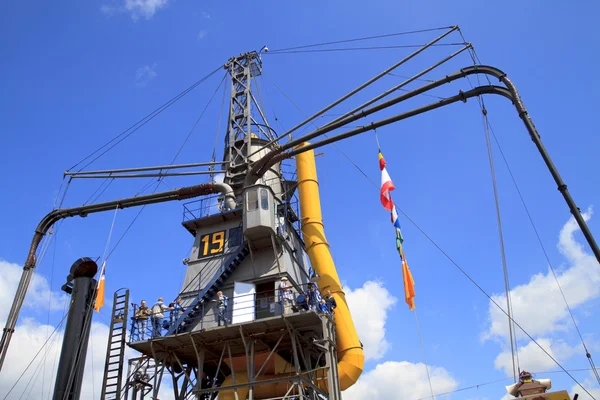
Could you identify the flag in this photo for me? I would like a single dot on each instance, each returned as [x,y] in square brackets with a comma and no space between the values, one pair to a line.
[386,185]
[396,223]
[99,303]
[409,283]
[386,200]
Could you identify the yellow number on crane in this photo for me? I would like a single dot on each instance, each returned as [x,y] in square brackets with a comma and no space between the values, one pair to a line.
[212,243]
[205,241]
[218,238]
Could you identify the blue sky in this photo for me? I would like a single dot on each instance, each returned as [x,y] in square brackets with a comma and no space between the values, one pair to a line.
[76,75]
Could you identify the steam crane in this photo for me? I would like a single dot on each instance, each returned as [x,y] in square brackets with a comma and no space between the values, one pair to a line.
[259,249]
[246,242]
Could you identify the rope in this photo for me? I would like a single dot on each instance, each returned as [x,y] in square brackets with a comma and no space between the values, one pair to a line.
[543,248]
[403,46]
[501,238]
[133,128]
[498,380]
[492,300]
[214,154]
[36,354]
[362,38]
[461,270]
[424,355]
[54,363]
[198,120]
[110,232]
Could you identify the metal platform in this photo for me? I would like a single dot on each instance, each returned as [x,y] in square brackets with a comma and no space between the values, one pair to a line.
[267,330]
[297,348]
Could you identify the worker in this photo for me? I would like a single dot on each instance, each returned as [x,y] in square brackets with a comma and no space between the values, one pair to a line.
[312,297]
[176,309]
[141,315]
[222,303]
[330,300]
[322,307]
[528,386]
[158,316]
[285,296]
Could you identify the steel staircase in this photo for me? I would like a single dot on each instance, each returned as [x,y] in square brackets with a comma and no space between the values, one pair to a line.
[194,310]
[115,350]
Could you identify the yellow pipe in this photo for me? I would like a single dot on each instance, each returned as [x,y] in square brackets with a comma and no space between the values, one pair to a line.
[350,355]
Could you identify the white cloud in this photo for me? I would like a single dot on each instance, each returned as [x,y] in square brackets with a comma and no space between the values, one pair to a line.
[369,306]
[532,358]
[135,8]
[538,305]
[30,335]
[202,34]
[393,380]
[39,296]
[590,385]
[145,74]
[205,15]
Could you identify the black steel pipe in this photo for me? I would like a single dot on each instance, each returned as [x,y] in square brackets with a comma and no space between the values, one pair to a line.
[462,96]
[361,87]
[266,162]
[69,375]
[83,211]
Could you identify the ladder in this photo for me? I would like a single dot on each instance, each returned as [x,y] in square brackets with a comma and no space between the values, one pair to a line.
[184,322]
[115,350]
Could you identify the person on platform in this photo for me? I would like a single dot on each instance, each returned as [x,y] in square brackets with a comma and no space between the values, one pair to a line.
[330,300]
[176,309]
[285,296]
[322,307]
[527,386]
[312,297]
[222,303]
[141,315]
[158,316]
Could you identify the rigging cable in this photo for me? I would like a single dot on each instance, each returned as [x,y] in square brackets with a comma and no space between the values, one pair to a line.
[475,283]
[424,356]
[198,120]
[133,128]
[402,46]
[500,237]
[159,180]
[511,326]
[36,354]
[543,248]
[214,154]
[498,380]
[364,38]
[365,175]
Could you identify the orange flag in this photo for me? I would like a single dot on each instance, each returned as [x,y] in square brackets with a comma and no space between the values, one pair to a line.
[409,283]
[99,303]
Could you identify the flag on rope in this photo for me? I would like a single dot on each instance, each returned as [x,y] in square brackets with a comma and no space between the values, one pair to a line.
[409,283]
[386,185]
[386,200]
[396,223]
[99,303]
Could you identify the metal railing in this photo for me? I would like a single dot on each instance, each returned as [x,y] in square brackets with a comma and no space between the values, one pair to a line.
[237,309]
[203,207]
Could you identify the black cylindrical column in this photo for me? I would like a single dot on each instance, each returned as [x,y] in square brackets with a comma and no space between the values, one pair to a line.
[72,357]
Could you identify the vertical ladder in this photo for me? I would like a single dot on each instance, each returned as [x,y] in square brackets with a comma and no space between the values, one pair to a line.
[115,350]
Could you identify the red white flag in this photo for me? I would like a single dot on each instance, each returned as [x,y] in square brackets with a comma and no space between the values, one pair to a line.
[386,185]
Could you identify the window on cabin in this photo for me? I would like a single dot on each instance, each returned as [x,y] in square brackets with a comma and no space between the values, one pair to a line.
[252,200]
[235,237]
[264,199]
